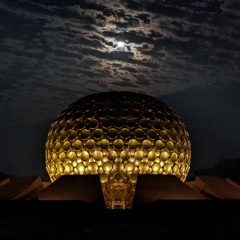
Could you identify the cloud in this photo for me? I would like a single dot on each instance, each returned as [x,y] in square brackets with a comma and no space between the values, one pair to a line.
[69,49]
[232,7]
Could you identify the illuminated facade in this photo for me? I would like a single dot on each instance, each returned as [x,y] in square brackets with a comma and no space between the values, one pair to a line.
[118,135]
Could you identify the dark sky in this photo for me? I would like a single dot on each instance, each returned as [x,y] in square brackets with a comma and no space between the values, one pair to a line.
[186,53]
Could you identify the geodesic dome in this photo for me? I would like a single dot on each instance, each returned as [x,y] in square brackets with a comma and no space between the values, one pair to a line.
[118,135]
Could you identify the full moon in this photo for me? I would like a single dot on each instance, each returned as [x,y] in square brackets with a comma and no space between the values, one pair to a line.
[120,44]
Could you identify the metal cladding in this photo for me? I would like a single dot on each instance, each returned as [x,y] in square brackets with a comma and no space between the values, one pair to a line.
[118,135]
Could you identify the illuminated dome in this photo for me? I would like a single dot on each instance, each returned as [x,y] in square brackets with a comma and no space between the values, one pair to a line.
[118,135]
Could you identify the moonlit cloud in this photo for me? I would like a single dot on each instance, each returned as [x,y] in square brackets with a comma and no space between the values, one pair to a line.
[69,45]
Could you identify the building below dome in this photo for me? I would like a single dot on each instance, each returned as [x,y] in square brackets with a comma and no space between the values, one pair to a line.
[150,190]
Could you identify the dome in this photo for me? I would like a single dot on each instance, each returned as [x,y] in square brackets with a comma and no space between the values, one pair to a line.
[118,135]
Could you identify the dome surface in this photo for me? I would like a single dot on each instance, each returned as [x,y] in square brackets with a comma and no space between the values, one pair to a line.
[118,135]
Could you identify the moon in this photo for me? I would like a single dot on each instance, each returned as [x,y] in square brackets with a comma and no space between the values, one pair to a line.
[120,44]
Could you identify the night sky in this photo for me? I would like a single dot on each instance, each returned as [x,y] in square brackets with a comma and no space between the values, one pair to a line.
[185,53]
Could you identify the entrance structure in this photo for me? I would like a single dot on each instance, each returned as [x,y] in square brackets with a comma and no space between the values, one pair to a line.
[118,135]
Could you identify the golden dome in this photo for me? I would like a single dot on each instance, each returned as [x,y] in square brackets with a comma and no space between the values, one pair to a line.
[118,135]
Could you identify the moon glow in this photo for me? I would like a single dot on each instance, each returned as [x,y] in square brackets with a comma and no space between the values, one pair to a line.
[120,44]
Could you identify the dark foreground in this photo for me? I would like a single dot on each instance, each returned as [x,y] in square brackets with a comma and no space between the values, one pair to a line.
[211,219]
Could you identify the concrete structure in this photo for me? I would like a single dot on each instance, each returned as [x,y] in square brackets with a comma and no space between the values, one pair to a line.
[21,188]
[151,188]
[230,181]
[88,189]
[5,181]
[215,187]
[85,188]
